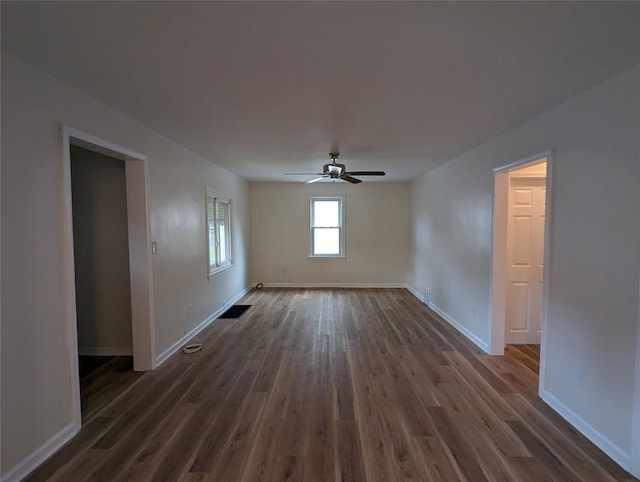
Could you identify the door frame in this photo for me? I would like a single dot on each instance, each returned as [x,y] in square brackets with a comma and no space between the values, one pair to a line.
[140,270]
[635,424]
[499,280]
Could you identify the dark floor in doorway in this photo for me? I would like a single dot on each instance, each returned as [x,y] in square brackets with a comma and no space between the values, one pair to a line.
[102,380]
[236,311]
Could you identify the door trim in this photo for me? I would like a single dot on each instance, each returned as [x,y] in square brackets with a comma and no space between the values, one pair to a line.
[498,258]
[142,315]
[635,424]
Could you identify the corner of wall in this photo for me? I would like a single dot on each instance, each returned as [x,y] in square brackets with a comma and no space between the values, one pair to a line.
[449,319]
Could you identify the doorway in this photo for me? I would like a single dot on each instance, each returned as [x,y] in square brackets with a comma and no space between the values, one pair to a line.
[102,274]
[132,302]
[522,203]
[525,252]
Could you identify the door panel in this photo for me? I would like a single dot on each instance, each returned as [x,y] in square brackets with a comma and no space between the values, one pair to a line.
[520,306]
[525,254]
[522,248]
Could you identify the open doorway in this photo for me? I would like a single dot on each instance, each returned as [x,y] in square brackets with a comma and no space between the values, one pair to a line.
[520,258]
[108,259]
[102,278]
[525,252]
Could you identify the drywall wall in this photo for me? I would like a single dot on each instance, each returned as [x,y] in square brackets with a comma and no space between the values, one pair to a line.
[101,254]
[36,376]
[594,243]
[376,223]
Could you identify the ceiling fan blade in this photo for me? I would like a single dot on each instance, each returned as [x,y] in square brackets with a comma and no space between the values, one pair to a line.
[316,180]
[335,170]
[366,173]
[352,180]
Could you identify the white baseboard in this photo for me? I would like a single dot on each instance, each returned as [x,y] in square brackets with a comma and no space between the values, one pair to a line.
[465,331]
[105,350]
[445,316]
[46,450]
[201,326]
[621,457]
[334,285]
[415,293]
[603,443]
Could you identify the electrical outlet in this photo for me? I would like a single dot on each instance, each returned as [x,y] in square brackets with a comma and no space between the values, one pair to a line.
[581,379]
[188,309]
[474,310]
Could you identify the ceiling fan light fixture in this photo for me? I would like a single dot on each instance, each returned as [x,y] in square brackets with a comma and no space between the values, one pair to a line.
[337,171]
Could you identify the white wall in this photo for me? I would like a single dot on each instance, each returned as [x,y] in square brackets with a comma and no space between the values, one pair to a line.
[595,249]
[101,254]
[376,234]
[36,376]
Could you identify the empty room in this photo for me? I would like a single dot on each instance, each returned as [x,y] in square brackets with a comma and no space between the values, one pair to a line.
[320,241]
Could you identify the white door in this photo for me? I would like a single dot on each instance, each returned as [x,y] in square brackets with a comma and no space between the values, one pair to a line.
[525,254]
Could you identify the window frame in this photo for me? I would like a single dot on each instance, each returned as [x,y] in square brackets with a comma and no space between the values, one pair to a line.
[340,227]
[216,202]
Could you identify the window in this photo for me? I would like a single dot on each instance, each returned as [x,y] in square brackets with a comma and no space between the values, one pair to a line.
[218,233]
[327,231]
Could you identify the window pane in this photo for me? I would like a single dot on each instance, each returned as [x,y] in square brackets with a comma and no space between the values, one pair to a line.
[224,233]
[222,212]
[223,244]
[326,241]
[212,232]
[326,213]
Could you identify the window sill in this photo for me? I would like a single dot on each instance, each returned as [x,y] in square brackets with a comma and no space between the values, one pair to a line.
[218,271]
[327,256]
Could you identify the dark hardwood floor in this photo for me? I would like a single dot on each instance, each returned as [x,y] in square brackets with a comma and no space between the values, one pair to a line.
[102,380]
[333,385]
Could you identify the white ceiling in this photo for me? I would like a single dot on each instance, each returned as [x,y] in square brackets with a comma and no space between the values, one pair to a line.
[267,88]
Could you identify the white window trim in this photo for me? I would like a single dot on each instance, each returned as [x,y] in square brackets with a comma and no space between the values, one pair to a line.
[341,220]
[219,267]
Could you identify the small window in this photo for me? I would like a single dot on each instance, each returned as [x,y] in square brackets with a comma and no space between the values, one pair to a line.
[327,231]
[218,233]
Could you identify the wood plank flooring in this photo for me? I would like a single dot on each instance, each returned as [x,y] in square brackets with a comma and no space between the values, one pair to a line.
[102,380]
[528,355]
[332,385]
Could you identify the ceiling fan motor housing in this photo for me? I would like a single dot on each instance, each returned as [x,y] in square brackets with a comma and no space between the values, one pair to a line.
[334,170]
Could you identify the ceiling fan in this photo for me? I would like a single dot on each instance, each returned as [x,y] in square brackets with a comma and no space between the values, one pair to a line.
[335,171]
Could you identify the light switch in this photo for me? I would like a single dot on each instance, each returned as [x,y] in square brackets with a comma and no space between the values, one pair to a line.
[154,247]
